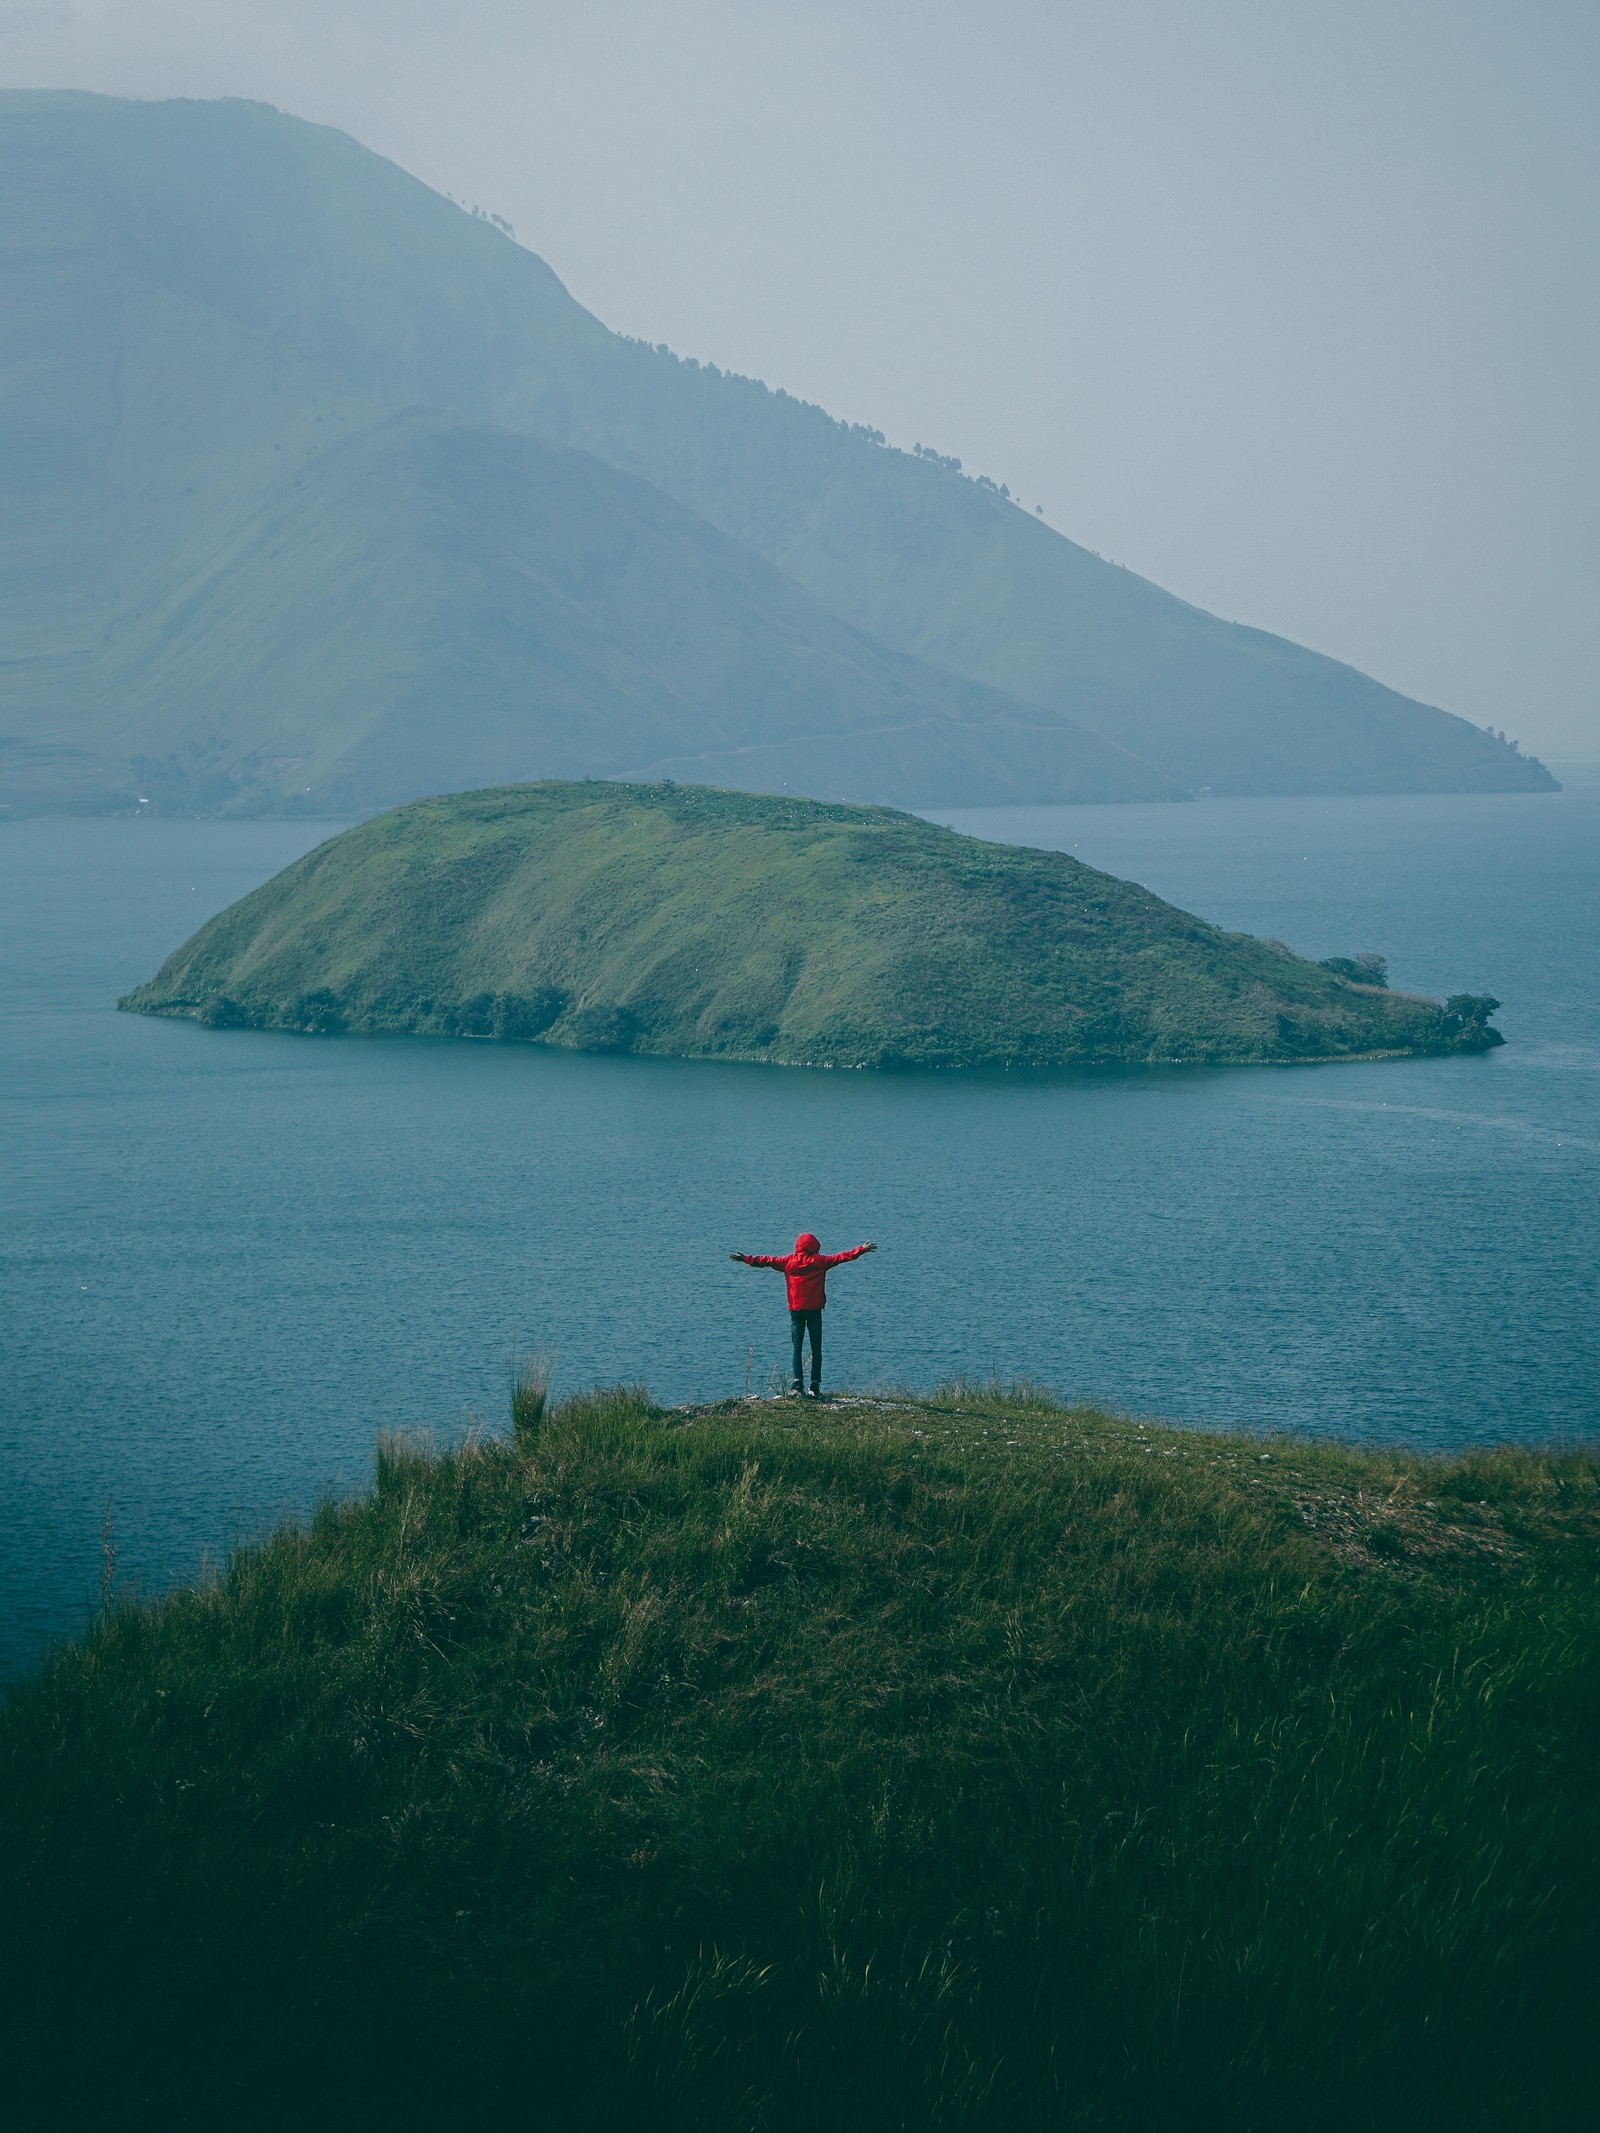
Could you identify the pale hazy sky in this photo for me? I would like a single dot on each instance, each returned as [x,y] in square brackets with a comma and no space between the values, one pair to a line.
[1293,307]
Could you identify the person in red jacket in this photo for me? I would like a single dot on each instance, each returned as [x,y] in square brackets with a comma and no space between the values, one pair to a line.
[805,1270]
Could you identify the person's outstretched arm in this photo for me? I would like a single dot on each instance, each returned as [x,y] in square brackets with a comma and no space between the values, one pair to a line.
[839,1258]
[754,1259]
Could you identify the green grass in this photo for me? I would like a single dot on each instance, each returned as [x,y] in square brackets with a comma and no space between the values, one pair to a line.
[969,1761]
[683,920]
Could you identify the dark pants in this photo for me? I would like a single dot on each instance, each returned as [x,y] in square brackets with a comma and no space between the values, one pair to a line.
[800,1324]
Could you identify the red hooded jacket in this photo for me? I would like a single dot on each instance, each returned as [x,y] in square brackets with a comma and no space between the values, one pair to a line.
[805,1269]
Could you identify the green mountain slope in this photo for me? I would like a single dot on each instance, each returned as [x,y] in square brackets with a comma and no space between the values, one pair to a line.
[687,921]
[229,580]
[295,234]
[427,604]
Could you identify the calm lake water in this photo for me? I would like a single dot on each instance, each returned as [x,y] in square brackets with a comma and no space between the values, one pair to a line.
[230,1258]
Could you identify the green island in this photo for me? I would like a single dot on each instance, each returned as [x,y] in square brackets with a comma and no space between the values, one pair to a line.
[967,1760]
[692,922]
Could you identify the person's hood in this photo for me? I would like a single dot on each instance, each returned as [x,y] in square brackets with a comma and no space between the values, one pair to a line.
[806,1246]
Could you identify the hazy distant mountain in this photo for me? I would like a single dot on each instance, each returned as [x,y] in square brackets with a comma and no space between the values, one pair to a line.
[286,523]
[232,580]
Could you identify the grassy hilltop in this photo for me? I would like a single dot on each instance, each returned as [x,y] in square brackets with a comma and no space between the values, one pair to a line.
[961,1762]
[689,921]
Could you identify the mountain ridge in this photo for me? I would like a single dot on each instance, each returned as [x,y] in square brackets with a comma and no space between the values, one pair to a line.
[266,590]
[311,247]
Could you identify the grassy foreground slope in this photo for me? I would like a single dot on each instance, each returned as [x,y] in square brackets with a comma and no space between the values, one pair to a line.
[700,923]
[971,1762]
